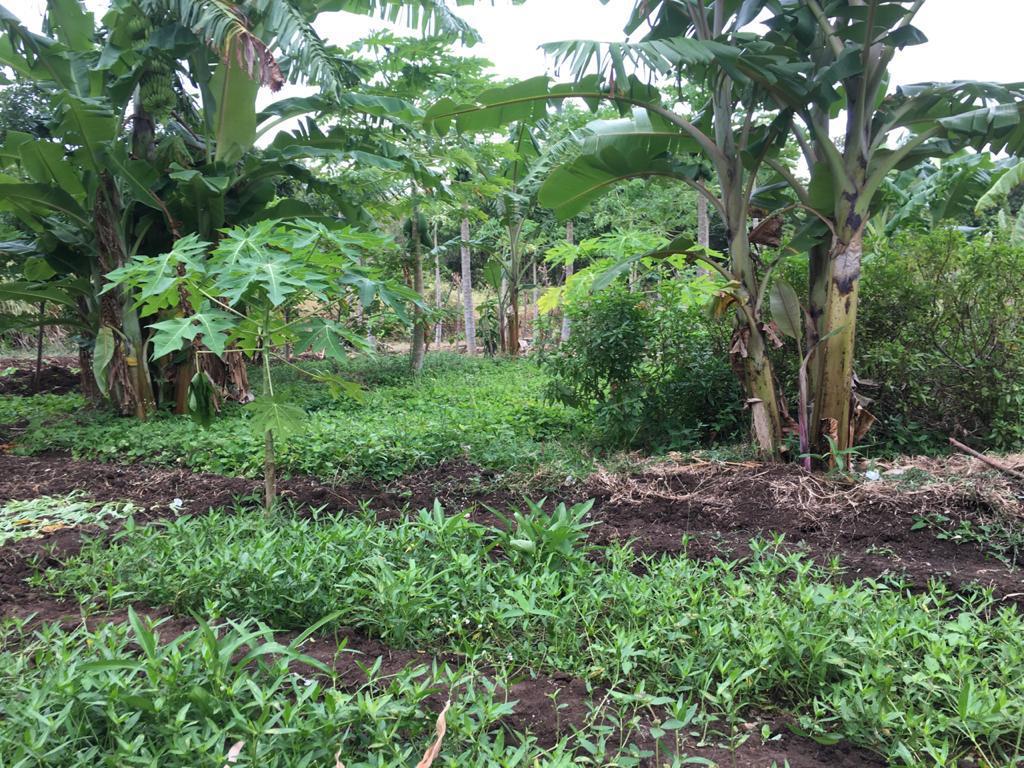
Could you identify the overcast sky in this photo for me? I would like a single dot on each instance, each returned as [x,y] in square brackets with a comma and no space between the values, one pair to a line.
[968,39]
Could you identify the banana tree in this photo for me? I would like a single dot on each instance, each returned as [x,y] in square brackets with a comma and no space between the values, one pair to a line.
[823,58]
[656,141]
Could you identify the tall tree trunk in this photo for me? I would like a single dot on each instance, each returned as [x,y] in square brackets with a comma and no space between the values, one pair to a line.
[419,329]
[570,237]
[833,402]
[269,454]
[467,289]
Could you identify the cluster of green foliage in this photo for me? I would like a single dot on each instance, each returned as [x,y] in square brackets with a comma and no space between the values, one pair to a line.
[922,677]
[942,335]
[491,410]
[650,371]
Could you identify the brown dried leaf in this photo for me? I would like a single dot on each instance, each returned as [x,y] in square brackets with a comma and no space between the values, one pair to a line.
[435,749]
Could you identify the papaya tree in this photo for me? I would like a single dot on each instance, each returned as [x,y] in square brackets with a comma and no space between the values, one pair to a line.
[247,292]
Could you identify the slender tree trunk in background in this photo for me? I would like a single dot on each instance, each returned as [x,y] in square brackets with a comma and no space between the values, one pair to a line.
[38,380]
[503,314]
[437,291]
[419,330]
[535,297]
[570,238]
[703,222]
[467,290]
[833,402]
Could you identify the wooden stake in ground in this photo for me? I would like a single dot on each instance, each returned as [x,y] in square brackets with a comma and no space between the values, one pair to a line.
[982,457]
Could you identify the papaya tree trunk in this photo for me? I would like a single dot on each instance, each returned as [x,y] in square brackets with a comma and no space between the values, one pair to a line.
[269,456]
[833,403]
[503,291]
[513,321]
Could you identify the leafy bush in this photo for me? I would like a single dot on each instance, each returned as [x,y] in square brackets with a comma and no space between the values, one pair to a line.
[652,370]
[924,677]
[941,331]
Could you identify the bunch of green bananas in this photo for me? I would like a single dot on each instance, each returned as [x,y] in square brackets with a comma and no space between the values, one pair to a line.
[156,91]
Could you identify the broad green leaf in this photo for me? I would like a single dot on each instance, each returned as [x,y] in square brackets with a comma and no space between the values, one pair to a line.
[999,191]
[236,108]
[45,163]
[41,200]
[32,293]
[785,307]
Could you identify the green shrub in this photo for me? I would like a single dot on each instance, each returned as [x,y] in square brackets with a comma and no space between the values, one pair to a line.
[652,371]
[941,331]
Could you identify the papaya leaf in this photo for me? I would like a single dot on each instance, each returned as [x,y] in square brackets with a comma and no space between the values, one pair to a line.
[270,414]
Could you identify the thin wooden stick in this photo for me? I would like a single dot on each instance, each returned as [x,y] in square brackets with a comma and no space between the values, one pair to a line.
[991,462]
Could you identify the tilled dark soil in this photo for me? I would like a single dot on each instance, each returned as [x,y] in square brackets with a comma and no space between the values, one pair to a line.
[719,508]
[56,377]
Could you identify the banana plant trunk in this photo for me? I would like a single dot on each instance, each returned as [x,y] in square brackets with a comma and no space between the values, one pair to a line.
[833,403]
[126,372]
[467,289]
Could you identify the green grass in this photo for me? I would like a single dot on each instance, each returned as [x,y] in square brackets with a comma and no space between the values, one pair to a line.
[490,411]
[922,678]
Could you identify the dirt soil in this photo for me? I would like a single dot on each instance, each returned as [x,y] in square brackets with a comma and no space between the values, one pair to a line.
[57,376]
[719,506]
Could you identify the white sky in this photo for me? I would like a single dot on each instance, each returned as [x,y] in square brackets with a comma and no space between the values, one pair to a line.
[968,39]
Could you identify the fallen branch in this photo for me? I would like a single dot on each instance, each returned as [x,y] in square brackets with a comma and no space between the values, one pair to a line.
[982,457]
